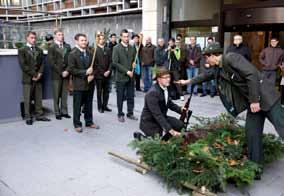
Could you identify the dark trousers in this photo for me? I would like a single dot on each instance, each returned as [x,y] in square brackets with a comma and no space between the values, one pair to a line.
[137,82]
[125,89]
[34,91]
[60,96]
[85,99]
[254,129]
[175,123]
[175,90]
[102,92]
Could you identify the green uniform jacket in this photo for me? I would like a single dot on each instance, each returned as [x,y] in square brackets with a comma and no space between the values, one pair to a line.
[239,83]
[122,59]
[77,66]
[58,60]
[102,62]
[31,63]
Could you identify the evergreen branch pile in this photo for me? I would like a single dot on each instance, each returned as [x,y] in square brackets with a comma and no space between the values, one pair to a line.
[211,154]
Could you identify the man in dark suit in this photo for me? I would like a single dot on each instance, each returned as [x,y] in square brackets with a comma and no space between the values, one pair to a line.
[123,57]
[154,118]
[79,64]
[58,59]
[31,62]
[102,73]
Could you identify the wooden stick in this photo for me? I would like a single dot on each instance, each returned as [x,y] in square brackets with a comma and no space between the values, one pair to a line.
[141,170]
[131,161]
[95,51]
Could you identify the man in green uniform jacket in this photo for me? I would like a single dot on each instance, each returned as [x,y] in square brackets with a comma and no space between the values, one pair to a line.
[79,64]
[31,62]
[58,59]
[241,87]
[123,60]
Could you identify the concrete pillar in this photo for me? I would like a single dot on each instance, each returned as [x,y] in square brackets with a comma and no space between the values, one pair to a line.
[156,19]
[149,19]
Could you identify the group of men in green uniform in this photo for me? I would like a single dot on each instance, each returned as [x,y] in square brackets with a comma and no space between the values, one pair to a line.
[87,67]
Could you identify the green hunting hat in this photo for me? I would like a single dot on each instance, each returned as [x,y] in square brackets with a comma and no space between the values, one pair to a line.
[213,48]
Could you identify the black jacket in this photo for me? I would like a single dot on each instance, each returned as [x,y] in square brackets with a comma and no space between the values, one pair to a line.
[102,62]
[78,65]
[239,84]
[241,49]
[154,113]
[160,56]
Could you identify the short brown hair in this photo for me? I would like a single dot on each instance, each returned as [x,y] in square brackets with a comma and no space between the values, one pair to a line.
[161,72]
[79,35]
[58,31]
[30,33]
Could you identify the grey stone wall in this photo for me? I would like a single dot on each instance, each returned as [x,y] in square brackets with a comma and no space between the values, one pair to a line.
[90,25]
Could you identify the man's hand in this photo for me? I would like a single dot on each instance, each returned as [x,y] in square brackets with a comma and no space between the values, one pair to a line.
[106,74]
[34,79]
[130,74]
[191,62]
[182,82]
[174,133]
[133,65]
[255,107]
[90,78]
[206,65]
[89,71]
[65,74]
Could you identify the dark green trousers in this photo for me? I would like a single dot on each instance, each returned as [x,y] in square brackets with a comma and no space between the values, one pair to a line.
[35,91]
[254,129]
[60,95]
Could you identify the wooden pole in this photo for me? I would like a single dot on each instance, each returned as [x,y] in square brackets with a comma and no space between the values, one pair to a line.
[129,160]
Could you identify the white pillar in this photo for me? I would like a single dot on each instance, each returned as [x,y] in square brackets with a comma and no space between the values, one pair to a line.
[149,19]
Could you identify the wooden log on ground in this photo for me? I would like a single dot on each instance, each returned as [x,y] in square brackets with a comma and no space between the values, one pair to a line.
[130,160]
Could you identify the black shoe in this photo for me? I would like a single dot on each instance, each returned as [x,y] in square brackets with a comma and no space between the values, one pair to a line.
[121,119]
[58,117]
[139,136]
[257,176]
[29,122]
[132,117]
[101,111]
[65,116]
[42,119]
[107,109]
[202,95]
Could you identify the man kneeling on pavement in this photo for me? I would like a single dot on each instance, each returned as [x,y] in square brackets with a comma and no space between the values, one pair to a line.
[154,118]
